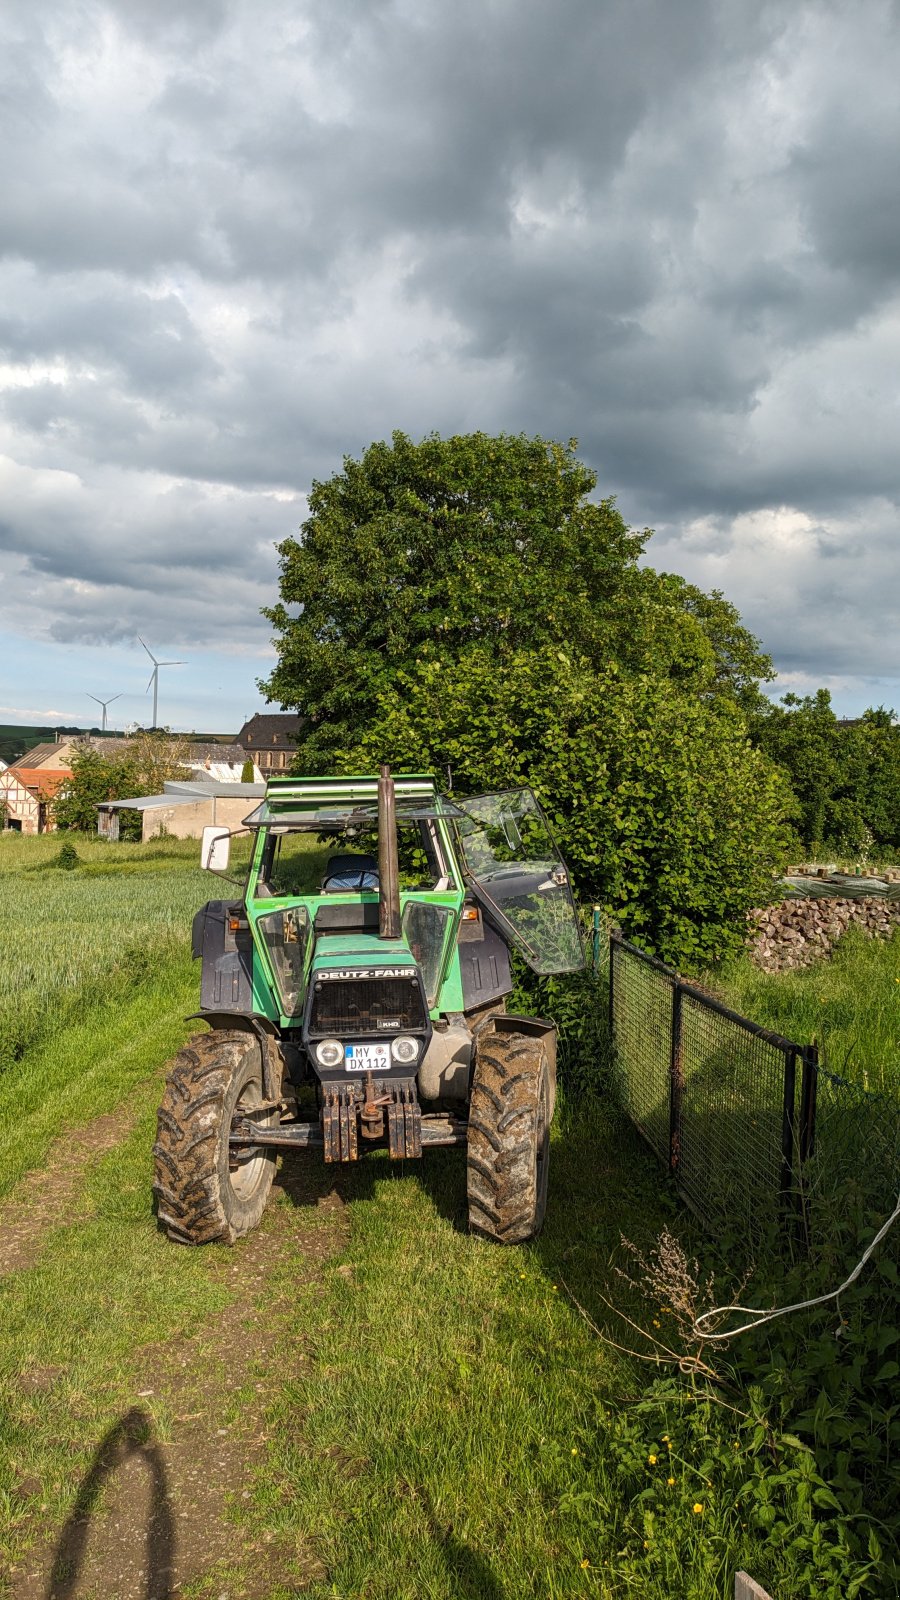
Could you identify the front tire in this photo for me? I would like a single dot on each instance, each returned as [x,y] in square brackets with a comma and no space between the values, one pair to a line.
[204,1190]
[508,1146]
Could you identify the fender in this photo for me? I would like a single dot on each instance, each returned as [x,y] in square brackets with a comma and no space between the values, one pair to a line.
[246,1022]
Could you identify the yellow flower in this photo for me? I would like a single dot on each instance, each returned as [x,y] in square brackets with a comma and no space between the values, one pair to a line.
[652,1460]
[736,1445]
[574,1449]
[670,1482]
[668,1444]
[697,1508]
[585,1562]
[656,1322]
[646,1544]
[556,1287]
[665,1438]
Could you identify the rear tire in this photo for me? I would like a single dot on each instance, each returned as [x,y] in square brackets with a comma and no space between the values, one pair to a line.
[205,1191]
[508,1155]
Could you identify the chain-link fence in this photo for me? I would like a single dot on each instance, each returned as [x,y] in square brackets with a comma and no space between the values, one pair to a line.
[728,1106]
[852,1171]
[756,1133]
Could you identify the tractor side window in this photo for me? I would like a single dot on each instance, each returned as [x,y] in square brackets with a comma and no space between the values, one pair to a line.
[518,871]
[425,929]
[286,935]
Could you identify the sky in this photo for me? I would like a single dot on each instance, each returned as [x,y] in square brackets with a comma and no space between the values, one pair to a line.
[238,243]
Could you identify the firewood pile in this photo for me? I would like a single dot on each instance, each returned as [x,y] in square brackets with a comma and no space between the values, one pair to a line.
[795,933]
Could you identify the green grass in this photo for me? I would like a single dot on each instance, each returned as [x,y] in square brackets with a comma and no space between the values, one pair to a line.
[443,1421]
[850,1006]
[462,1431]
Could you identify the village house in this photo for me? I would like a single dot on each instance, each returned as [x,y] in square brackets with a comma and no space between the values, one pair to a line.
[26,796]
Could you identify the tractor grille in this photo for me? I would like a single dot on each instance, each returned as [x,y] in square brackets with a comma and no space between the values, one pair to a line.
[367,1005]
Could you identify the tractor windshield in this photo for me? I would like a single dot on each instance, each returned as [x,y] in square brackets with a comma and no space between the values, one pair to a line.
[515,867]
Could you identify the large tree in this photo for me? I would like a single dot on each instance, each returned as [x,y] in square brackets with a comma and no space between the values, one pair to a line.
[419,550]
[465,604]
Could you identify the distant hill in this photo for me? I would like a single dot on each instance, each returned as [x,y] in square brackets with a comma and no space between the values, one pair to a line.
[15,739]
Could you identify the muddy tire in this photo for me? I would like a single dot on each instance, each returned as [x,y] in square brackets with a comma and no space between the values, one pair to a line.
[204,1191]
[508,1146]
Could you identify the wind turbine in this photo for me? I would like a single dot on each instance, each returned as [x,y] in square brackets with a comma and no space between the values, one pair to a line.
[104,704]
[154,676]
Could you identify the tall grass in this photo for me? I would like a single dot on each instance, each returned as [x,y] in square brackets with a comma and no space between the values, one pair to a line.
[68,940]
[95,980]
[849,1005]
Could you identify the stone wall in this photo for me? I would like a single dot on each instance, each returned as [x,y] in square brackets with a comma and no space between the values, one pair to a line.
[794,933]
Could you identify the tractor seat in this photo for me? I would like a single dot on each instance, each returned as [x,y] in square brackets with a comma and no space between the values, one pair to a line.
[347,874]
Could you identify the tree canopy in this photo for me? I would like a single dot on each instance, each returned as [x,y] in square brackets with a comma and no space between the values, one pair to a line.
[465,604]
[845,774]
[418,551]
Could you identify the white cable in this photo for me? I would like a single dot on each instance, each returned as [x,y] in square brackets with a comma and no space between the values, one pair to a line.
[785,1311]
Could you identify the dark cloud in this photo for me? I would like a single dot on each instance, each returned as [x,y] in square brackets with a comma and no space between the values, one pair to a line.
[235,245]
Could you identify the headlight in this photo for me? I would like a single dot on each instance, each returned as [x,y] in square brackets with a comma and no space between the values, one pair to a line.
[404,1050]
[330,1053]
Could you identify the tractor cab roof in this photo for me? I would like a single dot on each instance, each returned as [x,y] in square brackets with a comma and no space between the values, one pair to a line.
[318,805]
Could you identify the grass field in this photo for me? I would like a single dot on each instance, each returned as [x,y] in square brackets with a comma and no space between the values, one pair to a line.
[433,1417]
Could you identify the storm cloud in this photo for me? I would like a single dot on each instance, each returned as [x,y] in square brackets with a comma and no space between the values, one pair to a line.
[237,244]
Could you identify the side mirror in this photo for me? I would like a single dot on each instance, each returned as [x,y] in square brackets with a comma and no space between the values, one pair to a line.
[215,847]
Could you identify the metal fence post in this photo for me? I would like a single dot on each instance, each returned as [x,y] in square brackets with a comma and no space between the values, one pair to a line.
[788,1120]
[676,1081]
[612,1009]
[809,1084]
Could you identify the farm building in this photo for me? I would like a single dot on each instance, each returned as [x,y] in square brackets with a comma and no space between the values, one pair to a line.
[183,809]
[26,794]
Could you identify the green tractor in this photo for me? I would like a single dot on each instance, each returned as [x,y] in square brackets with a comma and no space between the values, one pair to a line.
[356,1013]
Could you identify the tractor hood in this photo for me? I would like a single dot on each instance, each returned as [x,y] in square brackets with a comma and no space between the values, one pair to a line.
[362,953]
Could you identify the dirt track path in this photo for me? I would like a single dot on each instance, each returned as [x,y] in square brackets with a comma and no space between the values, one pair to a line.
[154,1512]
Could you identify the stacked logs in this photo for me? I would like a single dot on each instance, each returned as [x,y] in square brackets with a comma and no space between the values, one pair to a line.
[795,933]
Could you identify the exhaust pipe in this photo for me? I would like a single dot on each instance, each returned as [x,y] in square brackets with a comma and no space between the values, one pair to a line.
[388,866]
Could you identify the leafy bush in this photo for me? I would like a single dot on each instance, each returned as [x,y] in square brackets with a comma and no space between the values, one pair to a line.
[846,775]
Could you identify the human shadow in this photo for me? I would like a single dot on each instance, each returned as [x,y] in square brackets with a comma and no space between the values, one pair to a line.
[471,1575]
[131,1435]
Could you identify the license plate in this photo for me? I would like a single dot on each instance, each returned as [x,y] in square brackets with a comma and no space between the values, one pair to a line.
[367,1057]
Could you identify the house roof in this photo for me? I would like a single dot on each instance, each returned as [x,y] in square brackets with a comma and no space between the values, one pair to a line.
[271,731]
[186,794]
[231,754]
[41,781]
[41,753]
[203,790]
